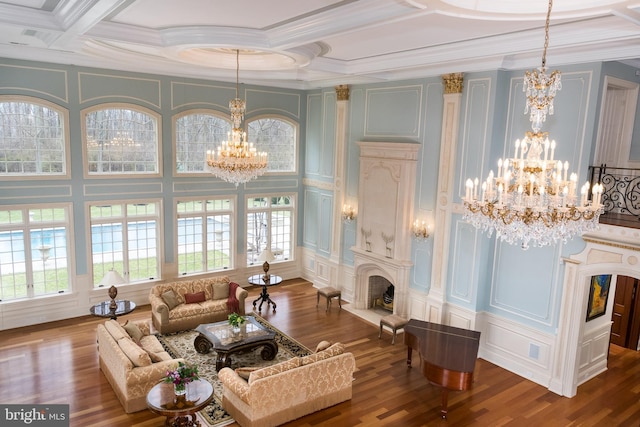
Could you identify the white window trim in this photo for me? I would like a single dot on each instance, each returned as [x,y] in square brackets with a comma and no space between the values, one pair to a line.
[83,127]
[71,257]
[296,126]
[174,147]
[67,140]
[294,216]
[161,228]
[233,232]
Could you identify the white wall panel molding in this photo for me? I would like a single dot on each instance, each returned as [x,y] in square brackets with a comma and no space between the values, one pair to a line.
[393,112]
[112,189]
[93,87]
[37,81]
[184,95]
[512,346]
[30,191]
[321,185]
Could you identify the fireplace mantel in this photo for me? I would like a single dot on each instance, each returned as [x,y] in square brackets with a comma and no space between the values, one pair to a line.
[385,209]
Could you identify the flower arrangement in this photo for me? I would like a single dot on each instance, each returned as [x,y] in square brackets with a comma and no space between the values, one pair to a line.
[181,376]
[236,320]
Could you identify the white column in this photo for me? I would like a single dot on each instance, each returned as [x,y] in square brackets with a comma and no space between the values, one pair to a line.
[342,120]
[442,221]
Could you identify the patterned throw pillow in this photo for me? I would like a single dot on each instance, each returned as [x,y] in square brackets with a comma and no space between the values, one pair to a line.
[194,298]
[169,297]
[134,331]
[135,353]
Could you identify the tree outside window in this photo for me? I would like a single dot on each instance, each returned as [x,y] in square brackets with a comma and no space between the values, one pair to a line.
[121,141]
[32,138]
[270,222]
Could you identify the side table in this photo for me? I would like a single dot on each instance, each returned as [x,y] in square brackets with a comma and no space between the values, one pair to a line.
[257,280]
[123,306]
[180,413]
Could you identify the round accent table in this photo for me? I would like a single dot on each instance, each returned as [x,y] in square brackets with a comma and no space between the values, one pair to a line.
[180,413]
[257,280]
[103,309]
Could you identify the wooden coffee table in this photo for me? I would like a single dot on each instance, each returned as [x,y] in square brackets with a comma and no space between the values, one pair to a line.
[222,338]
[180,413]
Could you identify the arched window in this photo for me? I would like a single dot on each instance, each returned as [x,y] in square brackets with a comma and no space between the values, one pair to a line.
[279,138]
[196,132]
[121,140]
[33,138]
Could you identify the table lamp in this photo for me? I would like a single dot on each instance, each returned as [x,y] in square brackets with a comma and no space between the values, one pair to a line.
[112,278]
[266,256]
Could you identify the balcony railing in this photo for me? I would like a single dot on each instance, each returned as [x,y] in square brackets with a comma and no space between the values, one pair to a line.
[621,193]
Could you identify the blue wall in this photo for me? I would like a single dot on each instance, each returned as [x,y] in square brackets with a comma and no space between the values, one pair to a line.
[77,88]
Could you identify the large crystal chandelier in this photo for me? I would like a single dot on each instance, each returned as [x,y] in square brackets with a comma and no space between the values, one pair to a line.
[237,160]
[533,198]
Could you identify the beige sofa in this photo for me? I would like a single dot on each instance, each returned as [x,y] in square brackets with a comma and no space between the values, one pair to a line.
[132,363]
[211,298]
[288,390]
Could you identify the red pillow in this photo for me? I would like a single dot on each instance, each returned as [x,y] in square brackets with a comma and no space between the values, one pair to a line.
[193,298]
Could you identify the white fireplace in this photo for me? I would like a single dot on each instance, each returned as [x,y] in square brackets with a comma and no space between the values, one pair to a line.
[385,214]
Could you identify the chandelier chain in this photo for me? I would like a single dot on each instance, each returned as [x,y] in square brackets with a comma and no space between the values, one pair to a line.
[546,35]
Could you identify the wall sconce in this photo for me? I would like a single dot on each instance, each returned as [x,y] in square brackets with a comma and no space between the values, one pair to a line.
[421,230]
[348,213]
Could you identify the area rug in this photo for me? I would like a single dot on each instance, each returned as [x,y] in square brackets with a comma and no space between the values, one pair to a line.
[180,344]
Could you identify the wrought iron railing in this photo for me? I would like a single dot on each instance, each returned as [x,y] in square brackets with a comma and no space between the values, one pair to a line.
[621,193]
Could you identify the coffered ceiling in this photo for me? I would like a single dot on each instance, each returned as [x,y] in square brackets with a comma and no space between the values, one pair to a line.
[317,43]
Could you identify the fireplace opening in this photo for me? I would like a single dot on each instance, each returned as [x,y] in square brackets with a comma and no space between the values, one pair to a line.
[381,294]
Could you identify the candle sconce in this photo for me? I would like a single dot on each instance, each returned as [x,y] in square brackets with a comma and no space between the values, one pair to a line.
[421,231]
[348,213]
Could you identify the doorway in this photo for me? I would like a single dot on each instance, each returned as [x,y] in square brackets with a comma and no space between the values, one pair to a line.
[625,328]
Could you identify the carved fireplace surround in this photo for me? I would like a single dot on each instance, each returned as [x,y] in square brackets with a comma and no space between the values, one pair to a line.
[385,214]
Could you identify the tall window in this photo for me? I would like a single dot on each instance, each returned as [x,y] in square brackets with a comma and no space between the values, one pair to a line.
[121,141]
[33,141]
[124,237]
[197,132]
[204,235]
[270,222]
[279,139]
[34,251]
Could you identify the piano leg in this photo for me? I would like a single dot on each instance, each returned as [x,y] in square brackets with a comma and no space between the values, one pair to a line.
[445,398]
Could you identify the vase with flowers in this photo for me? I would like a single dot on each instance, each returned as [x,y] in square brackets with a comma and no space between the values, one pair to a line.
[236,321]
[181,376]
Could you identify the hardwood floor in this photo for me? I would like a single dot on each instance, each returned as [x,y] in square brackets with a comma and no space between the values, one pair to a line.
[58,363]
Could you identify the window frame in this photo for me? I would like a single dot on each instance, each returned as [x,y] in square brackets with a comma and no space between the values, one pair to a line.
[159,239]
[296,128]
[232,212]
[26,227]
[174,141]
[66,137]
[107,175]
[294,212]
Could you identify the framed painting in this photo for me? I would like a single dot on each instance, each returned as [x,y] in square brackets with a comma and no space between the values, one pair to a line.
[598,296]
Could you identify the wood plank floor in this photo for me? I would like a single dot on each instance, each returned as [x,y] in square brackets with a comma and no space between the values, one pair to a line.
[57,363]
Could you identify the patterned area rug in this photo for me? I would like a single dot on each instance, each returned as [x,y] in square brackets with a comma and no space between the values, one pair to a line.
[180,344]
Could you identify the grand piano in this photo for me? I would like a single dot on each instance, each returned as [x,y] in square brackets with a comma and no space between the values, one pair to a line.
[447,355]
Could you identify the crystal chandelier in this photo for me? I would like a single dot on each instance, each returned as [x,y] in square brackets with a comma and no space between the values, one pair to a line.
[531,199]
[237,160]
